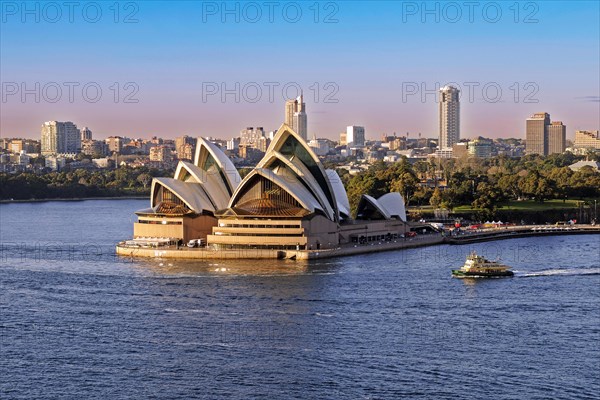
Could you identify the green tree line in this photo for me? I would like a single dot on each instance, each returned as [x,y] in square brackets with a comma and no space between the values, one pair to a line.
[78,183]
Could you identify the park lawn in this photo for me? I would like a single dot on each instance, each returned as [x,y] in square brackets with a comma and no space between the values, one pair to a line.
[528,205]
[531,205]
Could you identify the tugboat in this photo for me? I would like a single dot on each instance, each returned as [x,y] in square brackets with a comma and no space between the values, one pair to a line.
[478,267]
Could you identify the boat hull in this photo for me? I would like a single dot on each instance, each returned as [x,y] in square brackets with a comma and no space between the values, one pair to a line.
[473,274]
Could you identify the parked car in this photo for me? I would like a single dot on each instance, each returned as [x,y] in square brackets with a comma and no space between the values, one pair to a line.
[195,243]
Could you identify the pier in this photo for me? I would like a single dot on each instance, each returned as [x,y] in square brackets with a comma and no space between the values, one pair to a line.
[513,232]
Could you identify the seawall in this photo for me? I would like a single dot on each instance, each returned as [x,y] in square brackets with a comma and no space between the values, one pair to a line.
[353,249]
[211,254]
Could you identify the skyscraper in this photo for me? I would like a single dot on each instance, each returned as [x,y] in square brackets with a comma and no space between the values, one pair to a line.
[86,133]
[290,109]
[449,117]
[557,137]
[60,138]
[544,137]
[295,116]
[536,135]
[355,136]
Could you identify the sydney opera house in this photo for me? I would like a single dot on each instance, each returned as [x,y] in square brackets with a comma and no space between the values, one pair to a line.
[288,202]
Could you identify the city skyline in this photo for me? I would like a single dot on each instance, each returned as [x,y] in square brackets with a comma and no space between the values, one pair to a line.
[355,84]
[86,134]
[569,134]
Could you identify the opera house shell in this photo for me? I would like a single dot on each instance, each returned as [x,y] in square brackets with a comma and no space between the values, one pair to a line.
[288,201]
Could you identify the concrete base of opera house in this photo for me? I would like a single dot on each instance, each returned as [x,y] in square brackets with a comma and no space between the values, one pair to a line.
[354,248]
[210,254]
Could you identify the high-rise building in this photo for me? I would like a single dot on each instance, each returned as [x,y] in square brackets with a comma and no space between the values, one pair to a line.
[252,136]
[300,120]
[160,153]
[233,144]
[295,116]
[587,139]
[536,135]
[60,138]
[557,137]
[449,117]
[343,139]
[544,137]
[290,110]
[115,144]
[185,146]
[86,133]
[355,136]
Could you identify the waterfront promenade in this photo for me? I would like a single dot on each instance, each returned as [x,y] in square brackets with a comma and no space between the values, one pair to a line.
[464,237]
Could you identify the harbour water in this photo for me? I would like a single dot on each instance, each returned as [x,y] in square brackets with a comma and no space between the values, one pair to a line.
[76,321]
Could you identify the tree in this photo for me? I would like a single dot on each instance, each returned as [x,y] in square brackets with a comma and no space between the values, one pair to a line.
[421,168]
[537,186]
[509,184]
[359,185]
[449,199]
[436,198]
[144,179]
[485,206]
[406,184]
[486,201]
[560,178]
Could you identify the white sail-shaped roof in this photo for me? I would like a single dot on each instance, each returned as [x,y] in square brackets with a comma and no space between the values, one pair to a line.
[340,192]
[204,186]
[288,183]
[191,194]
[188,172]
[210,181]
[210,158]
[394,204]
[291,145]
[366,200]
[299,170]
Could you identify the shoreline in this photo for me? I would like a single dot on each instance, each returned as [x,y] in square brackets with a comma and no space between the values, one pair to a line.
[349,250]
[75,199]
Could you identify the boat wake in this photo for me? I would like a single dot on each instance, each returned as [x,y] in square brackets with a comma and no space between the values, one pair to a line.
[560,272]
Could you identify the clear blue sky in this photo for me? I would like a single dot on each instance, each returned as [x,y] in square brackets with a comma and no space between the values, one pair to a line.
[367,56]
